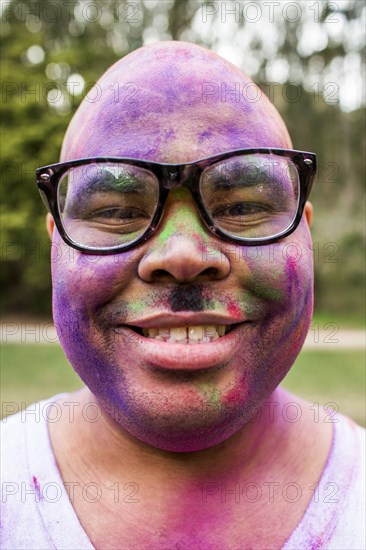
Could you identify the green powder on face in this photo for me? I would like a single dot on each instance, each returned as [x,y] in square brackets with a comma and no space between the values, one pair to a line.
[266,292]
[276,273]
[208,305]
[169,230]
[137,306]
[215,398]
[263,288]
[186,218]
[210,393]
[180,193]
[186,222]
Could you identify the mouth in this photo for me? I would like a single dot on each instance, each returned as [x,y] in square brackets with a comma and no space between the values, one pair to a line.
[189,335]
[191,347]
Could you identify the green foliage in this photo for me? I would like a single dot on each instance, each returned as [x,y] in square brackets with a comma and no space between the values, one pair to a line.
[78,42]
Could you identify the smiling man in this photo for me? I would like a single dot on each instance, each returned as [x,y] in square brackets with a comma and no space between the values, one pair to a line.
[182,294]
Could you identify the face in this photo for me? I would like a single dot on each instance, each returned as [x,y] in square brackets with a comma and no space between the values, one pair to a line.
[173,396]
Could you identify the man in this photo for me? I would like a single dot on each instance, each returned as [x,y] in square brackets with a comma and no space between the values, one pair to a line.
[181,321]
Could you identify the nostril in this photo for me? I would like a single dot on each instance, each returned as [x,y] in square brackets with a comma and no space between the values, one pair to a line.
[160,273]
[210,272]
[163,275]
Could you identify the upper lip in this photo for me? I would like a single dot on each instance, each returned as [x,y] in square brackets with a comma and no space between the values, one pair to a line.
[169,320]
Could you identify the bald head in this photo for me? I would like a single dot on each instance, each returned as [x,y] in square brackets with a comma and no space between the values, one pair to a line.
[173,102]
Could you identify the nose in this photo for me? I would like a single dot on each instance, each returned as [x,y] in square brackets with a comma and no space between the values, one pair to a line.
[183,260]
[182,250]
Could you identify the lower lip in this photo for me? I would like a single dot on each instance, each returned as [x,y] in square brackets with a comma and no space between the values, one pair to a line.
[188,357]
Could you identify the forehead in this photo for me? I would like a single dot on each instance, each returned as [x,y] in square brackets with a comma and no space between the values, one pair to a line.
[173,103]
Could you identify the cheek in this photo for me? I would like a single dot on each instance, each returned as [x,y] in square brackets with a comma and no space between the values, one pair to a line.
[277,289]
[81,282]
[282,272]
[297,257]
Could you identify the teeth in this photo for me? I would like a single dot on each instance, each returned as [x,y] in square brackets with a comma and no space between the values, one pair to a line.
[221,330]
[195,333]
[200,334]
[178,334]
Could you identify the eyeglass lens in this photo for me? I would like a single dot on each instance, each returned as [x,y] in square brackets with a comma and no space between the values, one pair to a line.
[108,205]
[251,196]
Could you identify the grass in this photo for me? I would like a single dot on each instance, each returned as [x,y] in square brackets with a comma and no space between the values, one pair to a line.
[331,376]
[32,372]
[344,320]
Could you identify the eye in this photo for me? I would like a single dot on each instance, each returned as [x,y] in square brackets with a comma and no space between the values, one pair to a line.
[117,216]
[239,209]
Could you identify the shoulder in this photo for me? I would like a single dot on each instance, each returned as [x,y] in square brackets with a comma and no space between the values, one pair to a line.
[348,460]
[346,478]
[25,449]
[25,427]
[349,444]
[334,519]
[14,443]
[26,431]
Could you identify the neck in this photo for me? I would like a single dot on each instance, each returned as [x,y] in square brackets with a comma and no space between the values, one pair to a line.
[210,494]
[106,443]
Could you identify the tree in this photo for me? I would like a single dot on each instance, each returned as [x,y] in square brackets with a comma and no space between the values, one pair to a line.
[53,52]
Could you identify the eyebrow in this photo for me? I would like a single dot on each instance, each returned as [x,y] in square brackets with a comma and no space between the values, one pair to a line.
[235,183]
[105,182]
[239,177]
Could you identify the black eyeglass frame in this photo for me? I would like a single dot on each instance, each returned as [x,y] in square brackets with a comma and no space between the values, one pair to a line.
[170,176]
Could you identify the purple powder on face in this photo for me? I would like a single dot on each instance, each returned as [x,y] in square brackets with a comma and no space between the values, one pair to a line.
[204,135]
[103,293]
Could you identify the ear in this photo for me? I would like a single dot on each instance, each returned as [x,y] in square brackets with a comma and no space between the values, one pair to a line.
[50,224]
[308,211]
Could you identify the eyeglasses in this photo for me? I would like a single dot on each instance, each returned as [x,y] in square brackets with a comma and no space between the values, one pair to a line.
[246,196]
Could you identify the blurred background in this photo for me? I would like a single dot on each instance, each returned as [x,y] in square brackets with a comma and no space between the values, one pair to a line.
[308,57]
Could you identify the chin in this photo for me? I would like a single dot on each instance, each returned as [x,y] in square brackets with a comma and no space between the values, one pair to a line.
[176,426]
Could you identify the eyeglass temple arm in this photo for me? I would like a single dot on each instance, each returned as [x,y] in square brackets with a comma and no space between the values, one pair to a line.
[45,200]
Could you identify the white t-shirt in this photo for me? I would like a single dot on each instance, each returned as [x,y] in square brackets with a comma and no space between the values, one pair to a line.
[37,514]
